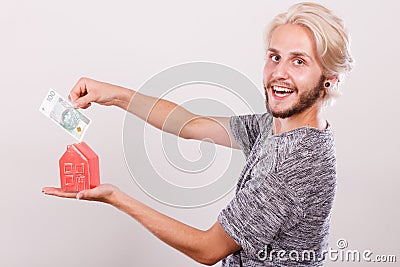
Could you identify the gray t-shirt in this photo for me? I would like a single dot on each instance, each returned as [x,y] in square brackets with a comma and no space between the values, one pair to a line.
[284,195]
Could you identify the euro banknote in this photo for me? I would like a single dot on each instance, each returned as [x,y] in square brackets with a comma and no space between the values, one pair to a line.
[65,115]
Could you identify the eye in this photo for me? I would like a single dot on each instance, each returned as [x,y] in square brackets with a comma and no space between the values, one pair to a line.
[275,58]
[298,62]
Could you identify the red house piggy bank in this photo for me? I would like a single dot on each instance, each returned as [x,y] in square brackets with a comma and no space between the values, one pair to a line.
[79,168]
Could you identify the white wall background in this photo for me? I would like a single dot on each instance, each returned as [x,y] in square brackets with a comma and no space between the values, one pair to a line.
[52,43]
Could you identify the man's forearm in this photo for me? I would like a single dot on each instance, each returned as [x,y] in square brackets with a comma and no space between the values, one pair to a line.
[160,113]
[172,118]
[193,242]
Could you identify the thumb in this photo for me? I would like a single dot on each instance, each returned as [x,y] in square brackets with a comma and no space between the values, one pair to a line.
[81,195]
[82,102]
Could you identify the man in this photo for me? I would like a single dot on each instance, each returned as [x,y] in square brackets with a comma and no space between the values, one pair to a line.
[285,194]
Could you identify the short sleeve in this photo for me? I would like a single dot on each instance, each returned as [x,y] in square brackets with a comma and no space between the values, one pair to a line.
[246,129]
[258,212]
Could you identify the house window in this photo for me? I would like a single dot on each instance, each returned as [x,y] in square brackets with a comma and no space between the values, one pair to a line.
[80,168]
[67,167]
[69,179]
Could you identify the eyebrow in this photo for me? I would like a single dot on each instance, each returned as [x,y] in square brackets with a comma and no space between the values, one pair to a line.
[294,53]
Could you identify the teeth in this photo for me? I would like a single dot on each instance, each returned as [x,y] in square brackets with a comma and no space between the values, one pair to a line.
[282,90]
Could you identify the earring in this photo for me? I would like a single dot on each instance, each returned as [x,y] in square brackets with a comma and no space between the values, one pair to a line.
[327,84]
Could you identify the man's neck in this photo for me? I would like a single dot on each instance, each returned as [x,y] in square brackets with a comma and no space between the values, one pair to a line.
[309,118]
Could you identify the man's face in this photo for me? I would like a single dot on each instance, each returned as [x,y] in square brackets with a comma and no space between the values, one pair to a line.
[292,74]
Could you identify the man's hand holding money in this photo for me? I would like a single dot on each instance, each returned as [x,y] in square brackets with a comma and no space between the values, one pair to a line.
[86,91]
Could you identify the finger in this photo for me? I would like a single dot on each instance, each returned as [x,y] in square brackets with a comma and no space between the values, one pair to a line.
[79,89]
[80,195]
[86,106]
[85,195]
[52,191]
[82,102]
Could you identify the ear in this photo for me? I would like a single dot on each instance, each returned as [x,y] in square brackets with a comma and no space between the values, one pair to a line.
[332,81]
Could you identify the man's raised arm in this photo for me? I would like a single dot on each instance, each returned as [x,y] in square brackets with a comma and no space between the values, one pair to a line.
[162,114]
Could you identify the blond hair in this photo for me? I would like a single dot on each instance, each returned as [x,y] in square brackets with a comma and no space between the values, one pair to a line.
[331,38]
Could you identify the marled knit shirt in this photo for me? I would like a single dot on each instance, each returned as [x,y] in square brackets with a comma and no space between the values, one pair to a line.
[284,196]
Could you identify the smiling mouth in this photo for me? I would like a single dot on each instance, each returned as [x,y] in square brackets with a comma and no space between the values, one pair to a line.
[281,91]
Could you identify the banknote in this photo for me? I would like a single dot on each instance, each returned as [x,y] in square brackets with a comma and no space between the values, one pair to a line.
[65,115]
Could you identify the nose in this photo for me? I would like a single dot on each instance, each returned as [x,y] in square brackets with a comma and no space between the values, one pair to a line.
[280,70]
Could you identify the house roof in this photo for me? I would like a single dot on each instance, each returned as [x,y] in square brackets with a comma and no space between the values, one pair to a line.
[85,150]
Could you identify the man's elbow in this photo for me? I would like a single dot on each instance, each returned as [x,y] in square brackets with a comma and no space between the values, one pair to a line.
[215,246]
[208,260]
[210,256]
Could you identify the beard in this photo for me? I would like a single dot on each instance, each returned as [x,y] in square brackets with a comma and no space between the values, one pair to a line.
[306,100]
